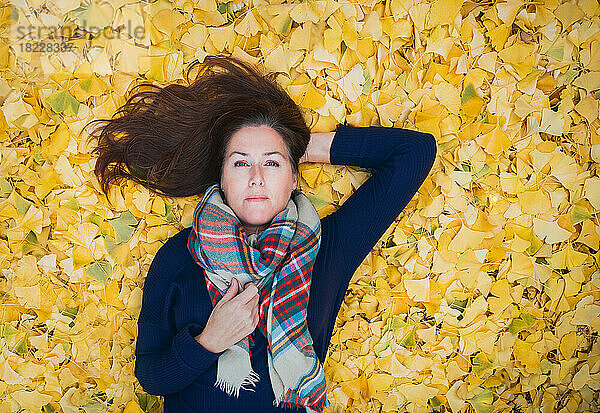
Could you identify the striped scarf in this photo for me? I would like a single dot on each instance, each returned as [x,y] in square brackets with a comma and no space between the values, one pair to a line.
[279,261]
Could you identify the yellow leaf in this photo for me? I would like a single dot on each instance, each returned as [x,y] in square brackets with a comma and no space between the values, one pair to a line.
[66,172]
[101,65]
[352,83]
[390,112]
[499,34]
[94,14]
[438,42]
[29,297]
[564,169]
[32,220]
[31,400]
[58,140]
[343,185]
[465,239]
[82,256]
[568,344]
[550,232]
[443,12]
[82,234]
[223,38]
[10,376]
[332,36]
[520,267]
[589,81]
[365,48]
[354,388]
[588,108]
[314,176]
[588,236]
[167,20]
[249,26]
[591,189]
[396,368]
[475,309]
[495,142]
[195,36]
[304,12]
[448,95]
[130,61]
[418,394]
[313,99]
[372,27]
[527,356]
[158,206]
[456,398]
[132,407]
[112,292]
[417,290]
[159,233]
[534,202]
[567,258]
[379,381]
[502,299]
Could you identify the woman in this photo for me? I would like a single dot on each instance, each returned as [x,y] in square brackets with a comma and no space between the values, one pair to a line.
[238,309]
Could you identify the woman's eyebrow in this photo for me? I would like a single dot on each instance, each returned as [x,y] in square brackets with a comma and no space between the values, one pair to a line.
[264,154]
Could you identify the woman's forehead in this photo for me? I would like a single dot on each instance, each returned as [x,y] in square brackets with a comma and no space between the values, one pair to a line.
[264,154]
[256,141]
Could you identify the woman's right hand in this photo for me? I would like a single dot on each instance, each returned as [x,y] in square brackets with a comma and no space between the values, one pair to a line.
[234,317]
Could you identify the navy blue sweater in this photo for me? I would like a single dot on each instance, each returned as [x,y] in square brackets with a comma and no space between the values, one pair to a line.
[176,305]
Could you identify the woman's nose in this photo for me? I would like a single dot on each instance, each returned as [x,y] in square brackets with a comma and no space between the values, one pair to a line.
[256,175]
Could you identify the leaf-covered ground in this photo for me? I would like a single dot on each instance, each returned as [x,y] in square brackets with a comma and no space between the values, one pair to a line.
[483,296]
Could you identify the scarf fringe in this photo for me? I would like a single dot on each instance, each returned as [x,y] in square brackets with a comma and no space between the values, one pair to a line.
[319,405]
[281,404]
[231,389]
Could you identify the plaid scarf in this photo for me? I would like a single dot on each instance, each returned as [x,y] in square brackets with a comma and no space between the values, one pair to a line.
[279,261]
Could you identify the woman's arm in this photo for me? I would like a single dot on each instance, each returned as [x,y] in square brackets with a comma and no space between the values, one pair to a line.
[401,160]
[167,360]
[318,148]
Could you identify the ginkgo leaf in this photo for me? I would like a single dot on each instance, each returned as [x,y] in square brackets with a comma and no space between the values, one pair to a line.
[481,364]
[92,14]
[579,214]
[124,226]
[62,102]
[524,321]
[550,232]
[321,199]
[101,271]
[482,402]
[417,290]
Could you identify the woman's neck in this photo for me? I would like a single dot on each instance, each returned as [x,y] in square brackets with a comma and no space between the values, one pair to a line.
[254,229]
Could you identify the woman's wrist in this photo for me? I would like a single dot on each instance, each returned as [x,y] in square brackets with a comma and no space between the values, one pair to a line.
[201,339]
[318,148]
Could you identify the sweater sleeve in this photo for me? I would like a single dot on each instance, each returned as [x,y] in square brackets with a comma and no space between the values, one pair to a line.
[400,160]
[167,361]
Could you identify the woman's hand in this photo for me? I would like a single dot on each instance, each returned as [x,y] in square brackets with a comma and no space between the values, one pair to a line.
[233,318]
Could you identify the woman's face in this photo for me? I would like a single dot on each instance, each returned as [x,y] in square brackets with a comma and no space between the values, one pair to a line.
[256,165]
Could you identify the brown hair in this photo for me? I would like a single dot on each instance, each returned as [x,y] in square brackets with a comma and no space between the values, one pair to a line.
[173,139]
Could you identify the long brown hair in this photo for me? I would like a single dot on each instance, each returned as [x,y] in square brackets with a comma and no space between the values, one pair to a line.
[173,139]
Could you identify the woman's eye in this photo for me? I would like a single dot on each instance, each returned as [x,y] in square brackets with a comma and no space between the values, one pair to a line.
[274,163]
